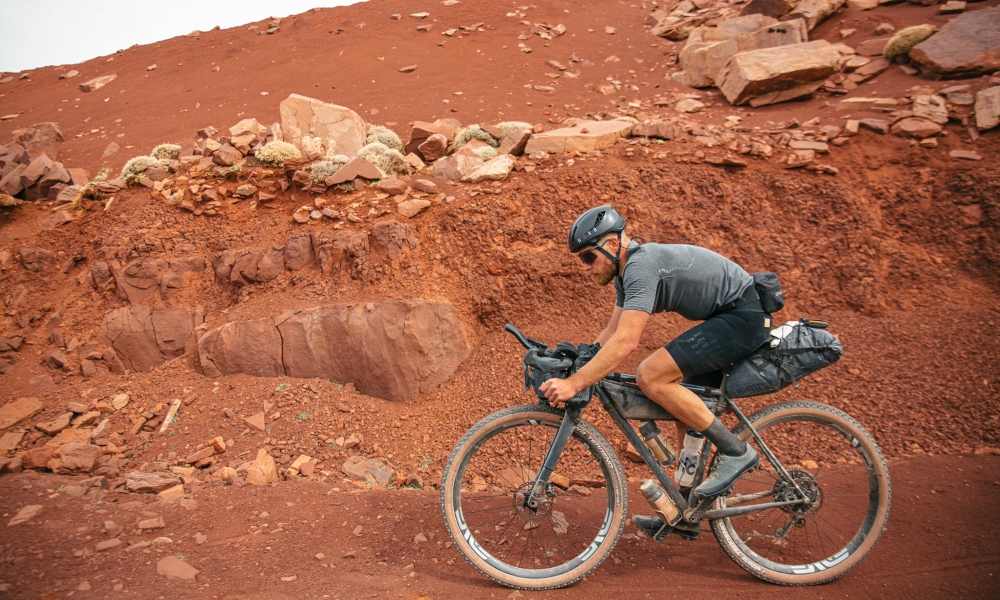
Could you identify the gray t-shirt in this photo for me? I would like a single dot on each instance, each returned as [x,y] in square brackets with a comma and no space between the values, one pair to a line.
[690,281]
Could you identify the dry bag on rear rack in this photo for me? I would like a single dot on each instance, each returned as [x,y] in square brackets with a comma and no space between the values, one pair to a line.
[795,350]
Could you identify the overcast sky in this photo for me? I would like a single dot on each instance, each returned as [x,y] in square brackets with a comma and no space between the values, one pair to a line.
[39,33]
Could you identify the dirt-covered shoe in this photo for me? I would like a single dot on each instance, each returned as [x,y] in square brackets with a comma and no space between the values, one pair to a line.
[726,471]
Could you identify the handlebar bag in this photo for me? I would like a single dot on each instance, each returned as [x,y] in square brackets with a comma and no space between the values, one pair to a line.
[794,351]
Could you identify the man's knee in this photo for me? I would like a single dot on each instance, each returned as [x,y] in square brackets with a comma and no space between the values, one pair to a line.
[658,368]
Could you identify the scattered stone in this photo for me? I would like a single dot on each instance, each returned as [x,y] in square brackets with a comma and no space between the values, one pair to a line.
[876,125]
[372,471]
[200,539]
[434,147]
[256,421]
[108,544]
[689,105]
[408,69]
[514,142]
[154,523]
[26,514]
[872,47]
[148,483]
[18,410]
[55,425]
[966,46]
[173,493]
[965,154]
[262,470]
[69,74]
[226,156]
[987,110]
[821,147]
[393,186]
[932,108]
[585,136]
[172,567]
[952,7]
[496,169]
[426,186]
[411,208]
[97,83]
[772,75]
[74,457]
[357,167]
[916,128]
[813,12]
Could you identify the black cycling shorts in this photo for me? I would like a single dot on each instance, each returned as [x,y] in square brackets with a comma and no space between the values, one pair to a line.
[709,347]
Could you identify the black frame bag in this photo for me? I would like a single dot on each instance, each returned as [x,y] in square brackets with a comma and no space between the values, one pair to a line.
[802,347]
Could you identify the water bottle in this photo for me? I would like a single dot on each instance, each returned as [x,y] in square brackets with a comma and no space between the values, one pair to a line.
[660,501]
[662,451]
[687,463]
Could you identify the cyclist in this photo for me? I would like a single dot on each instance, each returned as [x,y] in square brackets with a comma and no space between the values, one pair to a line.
[696,283]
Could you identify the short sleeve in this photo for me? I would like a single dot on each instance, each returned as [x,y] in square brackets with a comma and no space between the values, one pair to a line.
[639,285]
[619,292]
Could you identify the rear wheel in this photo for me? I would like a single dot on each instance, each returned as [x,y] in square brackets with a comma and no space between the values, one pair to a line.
[838,466]
[483,493]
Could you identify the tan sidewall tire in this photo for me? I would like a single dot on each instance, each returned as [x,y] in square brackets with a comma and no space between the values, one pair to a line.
[484,427]
[813,409]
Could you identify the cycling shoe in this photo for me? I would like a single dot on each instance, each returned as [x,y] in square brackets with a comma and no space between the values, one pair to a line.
[651,526]
[726,471]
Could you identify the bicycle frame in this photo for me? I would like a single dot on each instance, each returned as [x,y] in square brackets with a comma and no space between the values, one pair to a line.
[688,506]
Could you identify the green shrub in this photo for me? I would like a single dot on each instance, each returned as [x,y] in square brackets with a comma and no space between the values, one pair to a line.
[508,126]
[388,160]
[274,153]
[166,152]
[485,153]
[90,190]
[474,132]
[319,171]
[377,133]
[905,39]
[135,168]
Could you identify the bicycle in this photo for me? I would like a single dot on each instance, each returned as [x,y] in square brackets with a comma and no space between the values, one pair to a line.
[535,497]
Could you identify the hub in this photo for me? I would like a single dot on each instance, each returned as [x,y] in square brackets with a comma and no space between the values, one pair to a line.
[784,492]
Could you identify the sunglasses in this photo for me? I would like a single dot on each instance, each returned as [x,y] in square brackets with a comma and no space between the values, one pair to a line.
[590,256]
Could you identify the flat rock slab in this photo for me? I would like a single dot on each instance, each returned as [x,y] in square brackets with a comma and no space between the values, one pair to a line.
[339,128]
[778,74]
[393,350]
[496,169]
[966,46]
[587,136]
[149,483]
[18,410]
[369,470]
[357,167]
[26,514]
[97,83]
[172,567]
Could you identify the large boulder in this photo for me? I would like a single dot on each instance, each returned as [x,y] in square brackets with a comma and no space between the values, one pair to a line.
[813,12]
[144,338]
[39,138]
[340,129]
[709,48]
[393,350]
[778,74]
[586,136]
[966,46]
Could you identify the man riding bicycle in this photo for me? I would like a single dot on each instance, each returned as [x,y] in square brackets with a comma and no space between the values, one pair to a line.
[699,285]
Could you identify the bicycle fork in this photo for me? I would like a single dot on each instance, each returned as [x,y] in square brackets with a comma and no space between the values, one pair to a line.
[539,492]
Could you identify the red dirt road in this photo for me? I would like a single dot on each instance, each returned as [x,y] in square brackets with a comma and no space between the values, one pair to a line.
[940,542]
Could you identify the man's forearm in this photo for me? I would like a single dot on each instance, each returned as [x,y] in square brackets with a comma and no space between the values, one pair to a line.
[606,360]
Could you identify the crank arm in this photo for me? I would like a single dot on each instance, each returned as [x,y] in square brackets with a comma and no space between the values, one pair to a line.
[722,513]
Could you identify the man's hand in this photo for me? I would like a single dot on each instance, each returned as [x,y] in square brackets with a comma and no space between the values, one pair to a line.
[558,391]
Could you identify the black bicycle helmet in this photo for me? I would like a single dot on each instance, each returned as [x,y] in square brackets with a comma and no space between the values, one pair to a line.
[594,224]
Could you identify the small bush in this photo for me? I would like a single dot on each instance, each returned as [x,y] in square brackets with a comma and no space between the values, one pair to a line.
[485,153]
[474,132]
[508,126]
[389,161]
[905,39]
[319,171]
[136,167]
[166,152]
[7,201]
[311,144]
[90,190]
[377,133]
[274,153]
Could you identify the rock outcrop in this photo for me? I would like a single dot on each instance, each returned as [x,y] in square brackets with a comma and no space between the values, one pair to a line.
[144,338]
[394,349]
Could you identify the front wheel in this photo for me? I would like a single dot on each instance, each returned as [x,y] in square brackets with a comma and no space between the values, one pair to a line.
[560,541]
[838,466]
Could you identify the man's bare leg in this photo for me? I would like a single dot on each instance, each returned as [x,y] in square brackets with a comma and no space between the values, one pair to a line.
[658,376]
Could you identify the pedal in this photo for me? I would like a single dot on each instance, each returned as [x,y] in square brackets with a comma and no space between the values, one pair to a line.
[697,513]
[662,534]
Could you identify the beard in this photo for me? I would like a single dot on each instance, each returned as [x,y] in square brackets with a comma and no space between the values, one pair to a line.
[606,274]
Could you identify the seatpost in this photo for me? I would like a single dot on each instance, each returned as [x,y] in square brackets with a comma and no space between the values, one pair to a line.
[537,496]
